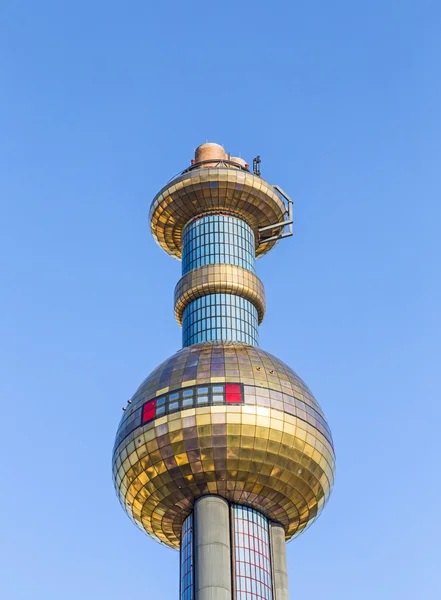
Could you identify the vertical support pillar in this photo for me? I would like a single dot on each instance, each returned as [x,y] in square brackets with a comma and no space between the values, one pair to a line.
[212,549]
[278,556]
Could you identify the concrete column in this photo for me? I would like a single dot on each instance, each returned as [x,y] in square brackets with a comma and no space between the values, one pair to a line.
[278,556]
[212,549]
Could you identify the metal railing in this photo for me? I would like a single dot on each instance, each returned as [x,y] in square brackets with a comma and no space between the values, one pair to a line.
[281,225]
[216,163]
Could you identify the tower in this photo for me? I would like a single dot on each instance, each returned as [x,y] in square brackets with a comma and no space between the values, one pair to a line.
[223,453]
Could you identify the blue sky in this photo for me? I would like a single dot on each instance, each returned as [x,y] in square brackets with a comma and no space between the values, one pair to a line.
[100,104]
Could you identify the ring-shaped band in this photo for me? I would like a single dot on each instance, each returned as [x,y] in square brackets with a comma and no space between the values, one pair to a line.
[209,190]
[219,279]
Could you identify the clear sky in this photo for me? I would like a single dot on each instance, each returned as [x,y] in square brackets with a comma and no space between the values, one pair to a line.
[100,104]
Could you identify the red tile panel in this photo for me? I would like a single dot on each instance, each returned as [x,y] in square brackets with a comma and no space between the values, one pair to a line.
[233,393]
[148,411]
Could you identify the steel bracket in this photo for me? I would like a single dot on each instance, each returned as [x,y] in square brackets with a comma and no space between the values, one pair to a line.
[287,222]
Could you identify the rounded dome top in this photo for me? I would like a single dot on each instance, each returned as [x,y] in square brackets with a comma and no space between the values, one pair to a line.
[208,151]
[227,419]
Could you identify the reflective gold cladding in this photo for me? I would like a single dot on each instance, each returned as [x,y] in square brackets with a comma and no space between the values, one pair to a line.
[219,279]
[207,190]
[273,453]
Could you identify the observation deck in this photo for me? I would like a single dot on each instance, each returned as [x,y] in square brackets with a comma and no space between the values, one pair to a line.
[215,183]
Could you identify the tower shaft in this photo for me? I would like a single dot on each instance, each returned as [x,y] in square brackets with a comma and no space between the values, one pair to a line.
[223,452]
[231,552]
[221,310]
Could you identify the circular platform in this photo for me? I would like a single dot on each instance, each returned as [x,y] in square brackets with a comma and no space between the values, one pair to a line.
[217,189]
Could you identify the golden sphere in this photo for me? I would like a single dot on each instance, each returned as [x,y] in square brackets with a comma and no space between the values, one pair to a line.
[229,419]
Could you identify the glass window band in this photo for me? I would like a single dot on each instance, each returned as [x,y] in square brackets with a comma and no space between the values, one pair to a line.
[187,560]
[218,239]
[220,317]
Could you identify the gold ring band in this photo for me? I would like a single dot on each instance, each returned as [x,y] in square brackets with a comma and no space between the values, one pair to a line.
[219,279]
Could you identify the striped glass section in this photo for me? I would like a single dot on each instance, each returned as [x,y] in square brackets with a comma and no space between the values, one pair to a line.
[252,555]
[187,583]
[220,317]
[218,239]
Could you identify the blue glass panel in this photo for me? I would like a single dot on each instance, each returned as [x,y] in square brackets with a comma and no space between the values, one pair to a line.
[218,239]
[228,317]
[187,583]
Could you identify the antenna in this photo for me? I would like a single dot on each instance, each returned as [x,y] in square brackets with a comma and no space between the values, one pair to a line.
[256,166]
